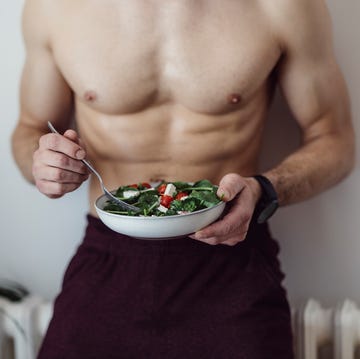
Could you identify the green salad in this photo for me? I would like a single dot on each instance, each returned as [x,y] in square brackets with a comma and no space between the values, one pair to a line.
[165,199]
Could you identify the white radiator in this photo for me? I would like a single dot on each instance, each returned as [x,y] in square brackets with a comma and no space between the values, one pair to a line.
[347,330]
[23,325]
[314,329]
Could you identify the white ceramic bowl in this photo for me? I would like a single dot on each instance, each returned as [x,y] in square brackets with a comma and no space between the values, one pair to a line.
[158,227]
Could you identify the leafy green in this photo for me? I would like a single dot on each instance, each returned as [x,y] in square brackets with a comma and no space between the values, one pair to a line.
[180,186]
[203,183]
[189,204]
[207,199]
[147,203]
[201,194]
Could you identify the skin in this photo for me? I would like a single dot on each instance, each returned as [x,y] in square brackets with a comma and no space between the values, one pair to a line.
[180,91]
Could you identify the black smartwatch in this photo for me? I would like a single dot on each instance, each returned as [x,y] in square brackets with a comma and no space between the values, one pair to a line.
[268,202]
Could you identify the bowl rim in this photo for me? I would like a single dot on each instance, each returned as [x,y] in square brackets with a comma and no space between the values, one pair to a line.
[154,218]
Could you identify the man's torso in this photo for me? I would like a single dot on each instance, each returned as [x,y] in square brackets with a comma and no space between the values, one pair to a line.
[167,90]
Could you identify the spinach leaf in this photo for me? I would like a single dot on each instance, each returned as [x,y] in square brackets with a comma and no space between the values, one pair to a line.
[180,185]
[147,202]
[203,183]
[207,199]
[116,209]
[189,204]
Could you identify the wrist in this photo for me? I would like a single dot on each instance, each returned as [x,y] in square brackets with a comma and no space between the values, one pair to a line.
[255,188]
[268,201]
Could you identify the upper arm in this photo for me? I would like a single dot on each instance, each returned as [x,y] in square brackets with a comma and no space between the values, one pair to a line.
[44,94]
[309,76]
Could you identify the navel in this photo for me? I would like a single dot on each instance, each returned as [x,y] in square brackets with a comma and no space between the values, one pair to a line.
[234,98]
[90,96]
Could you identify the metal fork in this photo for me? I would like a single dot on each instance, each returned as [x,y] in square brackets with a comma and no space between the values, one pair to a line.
[114,199]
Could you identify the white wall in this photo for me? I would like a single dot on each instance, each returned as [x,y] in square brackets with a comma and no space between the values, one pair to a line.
[320,245]
[37,235]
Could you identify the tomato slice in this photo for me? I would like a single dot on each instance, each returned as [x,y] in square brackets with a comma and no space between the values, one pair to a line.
[181,195]
[161,189]
[166,200]
[146,185]
[134,185]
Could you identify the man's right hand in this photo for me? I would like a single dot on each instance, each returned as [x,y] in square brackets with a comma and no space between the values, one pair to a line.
[57,168]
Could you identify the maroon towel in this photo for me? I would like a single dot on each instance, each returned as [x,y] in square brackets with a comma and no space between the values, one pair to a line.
[173,299]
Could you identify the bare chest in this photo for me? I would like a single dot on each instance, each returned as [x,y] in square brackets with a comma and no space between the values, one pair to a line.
[122,57]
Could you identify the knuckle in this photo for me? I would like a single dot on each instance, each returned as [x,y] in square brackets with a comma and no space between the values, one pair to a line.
[58,174]
[83,169]
[62,160]
[52,141]
[48,141]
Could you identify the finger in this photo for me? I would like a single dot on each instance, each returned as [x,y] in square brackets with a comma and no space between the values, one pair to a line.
[72,136]
[59,175]
[58,160]
[236,220]
[234,240]
[234,237]
[59,143]
[230,186]
[229,240]
[55,189]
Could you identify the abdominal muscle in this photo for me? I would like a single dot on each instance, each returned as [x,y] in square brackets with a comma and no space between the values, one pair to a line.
[170,142]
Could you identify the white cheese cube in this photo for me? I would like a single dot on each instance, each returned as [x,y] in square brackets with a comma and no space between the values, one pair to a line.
[162,209]
[170,190]
[182,212]
[130,193]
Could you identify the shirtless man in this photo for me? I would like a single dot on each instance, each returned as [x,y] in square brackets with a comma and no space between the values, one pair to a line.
[180,90]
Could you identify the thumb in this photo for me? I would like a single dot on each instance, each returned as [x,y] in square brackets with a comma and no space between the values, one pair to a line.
[230,186]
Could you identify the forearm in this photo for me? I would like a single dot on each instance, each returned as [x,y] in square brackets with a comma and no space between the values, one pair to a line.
[25,141]
[315,167]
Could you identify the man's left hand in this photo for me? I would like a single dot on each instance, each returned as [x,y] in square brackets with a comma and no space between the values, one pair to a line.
[243,194]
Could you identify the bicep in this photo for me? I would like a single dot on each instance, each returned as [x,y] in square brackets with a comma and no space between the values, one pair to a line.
[44,94]
[310,78]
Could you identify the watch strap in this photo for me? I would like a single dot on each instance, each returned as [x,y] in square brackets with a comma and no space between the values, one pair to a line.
[268,202]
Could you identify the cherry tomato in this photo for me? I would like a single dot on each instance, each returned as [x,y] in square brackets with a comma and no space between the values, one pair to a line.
[146,185]
[166,200]
[161,189]
[181,195]
[133,185]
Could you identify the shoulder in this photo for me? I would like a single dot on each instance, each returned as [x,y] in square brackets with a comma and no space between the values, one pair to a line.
[299,22]
[36,21]
[289,11]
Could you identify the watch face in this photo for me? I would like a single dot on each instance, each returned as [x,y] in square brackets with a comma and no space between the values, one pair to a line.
[268,211]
